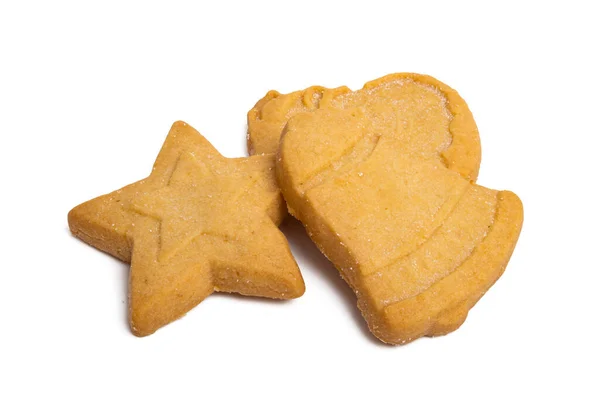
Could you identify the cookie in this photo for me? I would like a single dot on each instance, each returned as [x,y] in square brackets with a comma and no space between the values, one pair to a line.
[199,223]
[268,117]
[381,179]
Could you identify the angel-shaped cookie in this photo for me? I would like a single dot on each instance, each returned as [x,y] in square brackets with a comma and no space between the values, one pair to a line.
[382,179]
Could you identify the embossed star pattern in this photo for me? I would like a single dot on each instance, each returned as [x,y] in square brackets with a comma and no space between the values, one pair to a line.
[199,223]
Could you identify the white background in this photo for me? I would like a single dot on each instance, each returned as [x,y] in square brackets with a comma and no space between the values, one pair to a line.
[87,95]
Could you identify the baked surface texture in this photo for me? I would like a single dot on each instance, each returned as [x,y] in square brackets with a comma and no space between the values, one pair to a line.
[271,113]
[199,223]
[382,179]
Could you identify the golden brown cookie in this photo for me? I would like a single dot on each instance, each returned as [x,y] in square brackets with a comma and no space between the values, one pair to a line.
[268,117]
[199,223]
[380,179]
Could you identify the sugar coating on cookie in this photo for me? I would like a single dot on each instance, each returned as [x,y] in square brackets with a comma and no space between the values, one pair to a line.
[381,179]
[199,223]
[461,149]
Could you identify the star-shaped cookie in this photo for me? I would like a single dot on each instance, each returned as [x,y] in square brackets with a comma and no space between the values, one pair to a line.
[199,223]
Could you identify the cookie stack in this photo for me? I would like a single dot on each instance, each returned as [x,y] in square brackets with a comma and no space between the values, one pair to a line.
[382,178]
